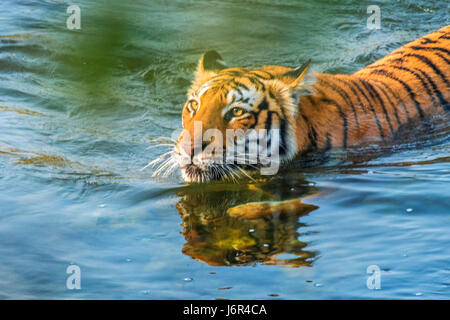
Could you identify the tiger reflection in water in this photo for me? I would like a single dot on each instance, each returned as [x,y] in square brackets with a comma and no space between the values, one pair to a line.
[219,238]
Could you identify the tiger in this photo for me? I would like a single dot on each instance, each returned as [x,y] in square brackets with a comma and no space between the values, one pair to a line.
[313,111]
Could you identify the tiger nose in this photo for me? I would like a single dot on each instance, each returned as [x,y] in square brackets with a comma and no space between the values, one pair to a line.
[190,148]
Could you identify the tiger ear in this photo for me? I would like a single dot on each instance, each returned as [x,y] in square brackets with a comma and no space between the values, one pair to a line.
[209,62]
[300,81]
[296,76]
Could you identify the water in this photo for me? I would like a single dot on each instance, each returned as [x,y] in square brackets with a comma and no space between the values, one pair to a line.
[79,109]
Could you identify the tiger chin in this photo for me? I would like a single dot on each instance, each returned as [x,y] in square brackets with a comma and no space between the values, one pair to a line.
[311,111]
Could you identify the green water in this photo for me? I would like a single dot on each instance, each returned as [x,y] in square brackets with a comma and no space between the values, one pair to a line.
[79,109]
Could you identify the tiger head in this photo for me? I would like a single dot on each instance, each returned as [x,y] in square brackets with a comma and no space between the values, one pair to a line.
[225,104]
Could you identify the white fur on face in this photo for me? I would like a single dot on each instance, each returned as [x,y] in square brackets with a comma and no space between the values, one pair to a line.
[197,95]
[246,96]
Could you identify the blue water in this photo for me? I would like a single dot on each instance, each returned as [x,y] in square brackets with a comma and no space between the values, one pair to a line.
[79,109]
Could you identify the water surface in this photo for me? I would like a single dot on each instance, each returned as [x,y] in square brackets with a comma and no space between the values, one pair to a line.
[79,109]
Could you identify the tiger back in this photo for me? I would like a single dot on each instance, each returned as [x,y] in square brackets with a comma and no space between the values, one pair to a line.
[408,85]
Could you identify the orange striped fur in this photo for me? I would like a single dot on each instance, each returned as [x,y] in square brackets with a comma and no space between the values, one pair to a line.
[408,85]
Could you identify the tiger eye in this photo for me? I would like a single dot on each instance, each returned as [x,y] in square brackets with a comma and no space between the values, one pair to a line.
[194,104]
[237,112]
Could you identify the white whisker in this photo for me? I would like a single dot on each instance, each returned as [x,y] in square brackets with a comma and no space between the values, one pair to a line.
[164,165]
[159,159]
[161,145]
[163,139]
[170,169]
[230,172]
[245,173]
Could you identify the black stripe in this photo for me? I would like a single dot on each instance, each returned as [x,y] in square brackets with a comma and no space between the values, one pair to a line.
[283,130]
[242,85]
[328,145]
[268,123]
[311,100]
[341,114]
[375,66]
[411,93]
[262,106]
[380,128]
[224,92]
[374,94]
[271,95]
[350,84]
[355,82]
[344,96]
[270,76]
[430,64]
[400,101]
[443,58]
[312,134]
[393,54]
[430,49]
[377,95]
[394,106]
[234,73]
[427,40]
[256,82]
[424,84]
[442,100]
[233,99]
[284,133]
[257,75]
[239,91]
[238,86]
